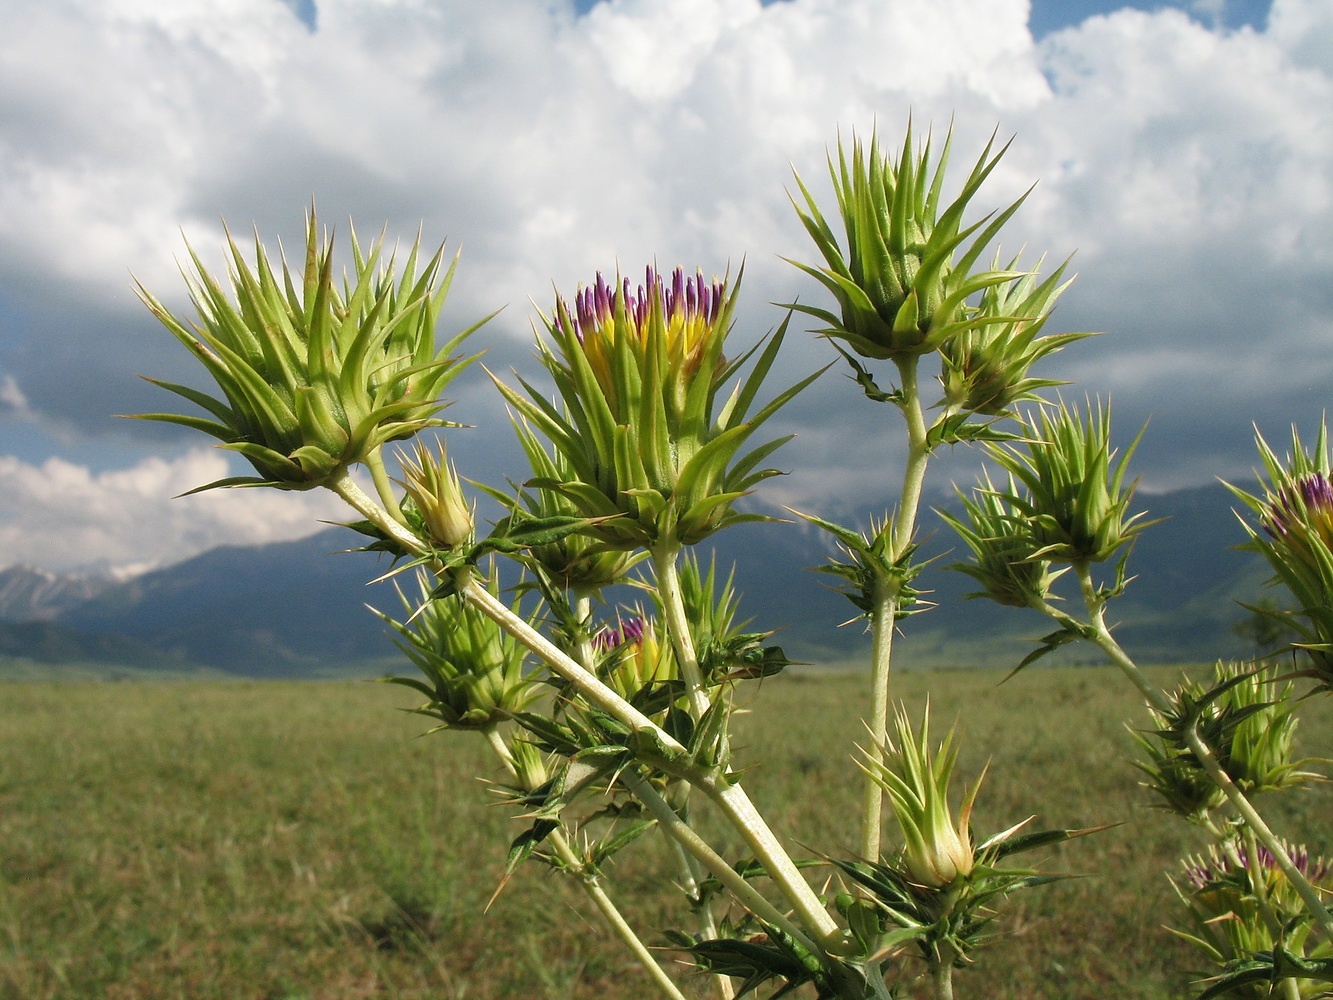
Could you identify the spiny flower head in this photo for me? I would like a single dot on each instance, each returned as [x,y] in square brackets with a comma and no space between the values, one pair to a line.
[634,657]
[436,496]
[1294,511]
[649,443]
[1302,511]
[900,290]
[314,377]
[916,777]
[1223,889]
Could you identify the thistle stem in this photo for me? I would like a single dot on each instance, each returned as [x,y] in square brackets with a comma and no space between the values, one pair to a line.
[737,807]
[678,625]
[379,475]
[687,866]
[887,599]
[591,885]
[1096,605]
[689,839]
[881,657]
[942,974]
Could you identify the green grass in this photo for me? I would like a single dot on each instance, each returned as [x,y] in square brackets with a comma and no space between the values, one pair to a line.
[208,839]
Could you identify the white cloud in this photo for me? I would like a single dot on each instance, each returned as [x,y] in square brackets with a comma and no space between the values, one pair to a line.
[61,515]
[1192,169]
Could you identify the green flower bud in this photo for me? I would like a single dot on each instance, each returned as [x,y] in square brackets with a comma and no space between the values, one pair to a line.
[1003,548]
[937,849]
[899,290]
[985,366]
[434,492]
[472,669]
[314,378]
[1075,502]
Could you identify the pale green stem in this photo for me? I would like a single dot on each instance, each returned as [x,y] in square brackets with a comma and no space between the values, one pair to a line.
[731,798]
[591,885]
[737,807]
[943,978]
[678,626]
[688,869]
[379,475]
[689,839]
[583,611]
[365,505]
[1203,753]
[881,656]
[1291,989]
[884,617]
[918,453]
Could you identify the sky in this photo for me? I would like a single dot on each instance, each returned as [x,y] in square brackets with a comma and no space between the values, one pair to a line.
[1182,153]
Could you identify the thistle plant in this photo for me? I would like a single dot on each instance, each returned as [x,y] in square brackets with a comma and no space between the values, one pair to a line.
[613,723]
[907,284]
[1072,506]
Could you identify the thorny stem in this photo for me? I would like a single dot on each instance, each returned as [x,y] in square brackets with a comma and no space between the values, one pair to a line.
[688,868]
[1096,605]
[591,884]
[888,599]
[678,626]
[686,836]
[731,798]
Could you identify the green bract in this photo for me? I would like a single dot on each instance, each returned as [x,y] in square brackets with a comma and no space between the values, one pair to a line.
[938,849]
[647,435]
[1075,502]
[899,289]
[314,377]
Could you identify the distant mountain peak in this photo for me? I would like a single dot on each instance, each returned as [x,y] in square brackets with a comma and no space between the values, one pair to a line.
[28,593]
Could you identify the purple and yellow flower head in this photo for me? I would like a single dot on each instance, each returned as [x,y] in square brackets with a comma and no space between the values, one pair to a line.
[1302,511]
[633,656]
[682,321]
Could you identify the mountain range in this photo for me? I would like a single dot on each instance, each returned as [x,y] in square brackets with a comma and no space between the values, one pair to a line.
[298,609]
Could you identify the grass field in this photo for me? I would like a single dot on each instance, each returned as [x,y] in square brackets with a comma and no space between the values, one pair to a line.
[210,839]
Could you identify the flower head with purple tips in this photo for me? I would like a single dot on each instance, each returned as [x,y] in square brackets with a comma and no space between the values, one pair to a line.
[1303,508]
[632,655]
[685,318]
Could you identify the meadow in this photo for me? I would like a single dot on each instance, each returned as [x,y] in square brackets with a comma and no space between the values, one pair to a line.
[264,840]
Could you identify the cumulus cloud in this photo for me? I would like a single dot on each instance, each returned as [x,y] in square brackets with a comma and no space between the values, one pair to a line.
[64,516]
[1192,169]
